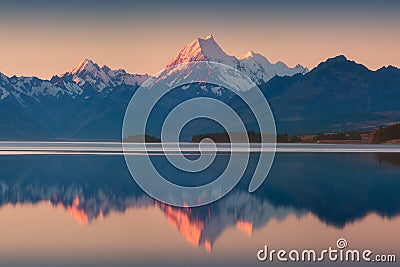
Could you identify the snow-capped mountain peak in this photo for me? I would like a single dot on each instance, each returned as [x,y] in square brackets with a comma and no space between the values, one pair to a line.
[205,49]
[253,64]
[84,65]
[87,71]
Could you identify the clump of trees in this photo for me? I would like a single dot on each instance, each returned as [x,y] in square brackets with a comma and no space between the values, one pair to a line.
[386,134]
[286,138]
[221,137]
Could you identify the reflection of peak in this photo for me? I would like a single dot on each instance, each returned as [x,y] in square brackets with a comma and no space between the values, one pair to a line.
[85,210]
[76,212]
[246,227]
[202,226]
[189,227]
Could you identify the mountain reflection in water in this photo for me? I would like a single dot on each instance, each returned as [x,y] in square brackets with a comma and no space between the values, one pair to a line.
[337,188]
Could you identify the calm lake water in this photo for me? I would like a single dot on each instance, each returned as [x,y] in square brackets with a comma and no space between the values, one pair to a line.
[86,210]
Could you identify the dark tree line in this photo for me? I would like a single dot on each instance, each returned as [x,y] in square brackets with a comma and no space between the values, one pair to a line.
[338,136]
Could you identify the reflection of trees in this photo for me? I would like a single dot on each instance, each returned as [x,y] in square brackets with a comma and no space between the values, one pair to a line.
[391,158]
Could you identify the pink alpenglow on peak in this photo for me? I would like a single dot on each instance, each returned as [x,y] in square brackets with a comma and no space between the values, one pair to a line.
[85,64]
[254,65]
[203,50]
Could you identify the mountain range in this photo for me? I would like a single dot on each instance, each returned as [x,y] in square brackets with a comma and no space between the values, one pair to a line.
[88,102]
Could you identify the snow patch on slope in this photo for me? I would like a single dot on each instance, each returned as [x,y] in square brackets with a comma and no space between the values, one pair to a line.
[3,93]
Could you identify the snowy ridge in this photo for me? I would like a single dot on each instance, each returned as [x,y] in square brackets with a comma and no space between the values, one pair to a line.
[261,70]
[100,77]
[32,87]
[75,82]
[120,77]
[207,72]
[3,82]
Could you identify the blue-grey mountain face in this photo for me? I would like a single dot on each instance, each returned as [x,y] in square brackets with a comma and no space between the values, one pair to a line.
[89,101]
[337,95]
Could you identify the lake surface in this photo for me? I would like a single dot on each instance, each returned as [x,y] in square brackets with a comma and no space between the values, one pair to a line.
[79,206]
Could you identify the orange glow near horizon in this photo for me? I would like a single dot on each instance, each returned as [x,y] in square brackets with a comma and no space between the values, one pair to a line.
[149,48]
[138,232]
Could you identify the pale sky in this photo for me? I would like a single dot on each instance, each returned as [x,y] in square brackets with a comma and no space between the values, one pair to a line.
[43,38]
